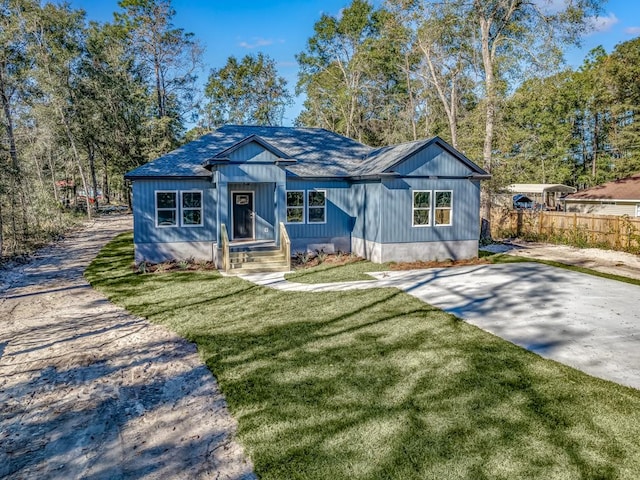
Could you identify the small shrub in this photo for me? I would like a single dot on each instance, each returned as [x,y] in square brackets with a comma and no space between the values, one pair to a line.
[143,267]
[303,257]
[321,255]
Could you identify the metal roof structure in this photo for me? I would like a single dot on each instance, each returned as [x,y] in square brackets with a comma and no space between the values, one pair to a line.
[307,152]
[539,188]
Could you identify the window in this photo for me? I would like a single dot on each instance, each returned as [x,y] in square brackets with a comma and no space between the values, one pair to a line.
[190,205]
[191,209]
[421,208]
[443,207]
[295,206]
[316,206]
[166,209]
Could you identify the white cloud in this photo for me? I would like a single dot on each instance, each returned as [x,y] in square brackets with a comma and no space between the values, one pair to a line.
[632,30]
[602,24]
[259,42]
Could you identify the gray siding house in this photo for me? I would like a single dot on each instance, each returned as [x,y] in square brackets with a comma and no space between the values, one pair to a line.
[254,185]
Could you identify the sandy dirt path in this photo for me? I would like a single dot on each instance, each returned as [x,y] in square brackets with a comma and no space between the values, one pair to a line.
[90,391]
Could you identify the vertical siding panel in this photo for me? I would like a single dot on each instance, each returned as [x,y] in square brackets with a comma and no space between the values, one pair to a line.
[433,160]
[145,230]
[339,221]
[396,221]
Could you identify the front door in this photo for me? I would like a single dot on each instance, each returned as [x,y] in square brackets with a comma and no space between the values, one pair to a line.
[243,215]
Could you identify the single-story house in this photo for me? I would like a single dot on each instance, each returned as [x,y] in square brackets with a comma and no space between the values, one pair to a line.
[244,186]
[619,197]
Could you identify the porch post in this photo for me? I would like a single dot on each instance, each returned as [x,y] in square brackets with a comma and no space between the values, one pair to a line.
[280,202]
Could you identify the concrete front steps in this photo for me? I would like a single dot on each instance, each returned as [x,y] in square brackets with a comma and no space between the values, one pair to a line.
[257,258]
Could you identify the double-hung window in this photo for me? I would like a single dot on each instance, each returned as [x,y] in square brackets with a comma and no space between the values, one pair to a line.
[421,208]
[295,206]
[316,206]
[191,208]
[166,209]
[443,207]
[179,208]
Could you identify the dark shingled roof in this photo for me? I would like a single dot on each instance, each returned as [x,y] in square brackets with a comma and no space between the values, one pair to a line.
[317,153]
[623,189]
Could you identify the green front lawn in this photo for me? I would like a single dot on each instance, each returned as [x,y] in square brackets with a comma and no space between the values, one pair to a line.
[328,273]
[375,384]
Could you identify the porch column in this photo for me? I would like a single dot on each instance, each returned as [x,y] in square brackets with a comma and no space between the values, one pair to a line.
[280,202]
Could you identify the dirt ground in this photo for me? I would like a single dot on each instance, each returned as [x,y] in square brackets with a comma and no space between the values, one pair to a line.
[90,391]
[606,261]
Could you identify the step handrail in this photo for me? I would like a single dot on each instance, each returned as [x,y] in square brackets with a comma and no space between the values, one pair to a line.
[285,244]
[224,237]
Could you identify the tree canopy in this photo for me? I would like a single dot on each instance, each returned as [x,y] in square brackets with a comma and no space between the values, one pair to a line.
[83,102]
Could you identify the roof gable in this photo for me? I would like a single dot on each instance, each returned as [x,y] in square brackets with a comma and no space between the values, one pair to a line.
[251,140]
[306,152]
[424,157]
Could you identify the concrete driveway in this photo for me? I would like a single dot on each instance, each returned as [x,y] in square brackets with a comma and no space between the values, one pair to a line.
[587,322]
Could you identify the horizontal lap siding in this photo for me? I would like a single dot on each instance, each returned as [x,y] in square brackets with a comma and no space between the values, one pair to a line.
[602,208]
[145,231]
[396,203]
[339,221]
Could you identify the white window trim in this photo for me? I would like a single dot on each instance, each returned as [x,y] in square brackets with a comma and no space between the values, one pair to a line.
[310,206]
[413,207]
[177,208]
[304,207]
[435,207]
[182,208]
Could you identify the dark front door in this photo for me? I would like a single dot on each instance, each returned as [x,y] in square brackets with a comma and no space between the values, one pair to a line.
[242,215]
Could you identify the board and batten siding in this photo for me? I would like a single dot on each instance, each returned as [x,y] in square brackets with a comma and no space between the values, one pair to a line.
[250,173]
[263,207]
[396,210]
[339,221]
[145,230]
[432,160]
[365,207]
[252,152]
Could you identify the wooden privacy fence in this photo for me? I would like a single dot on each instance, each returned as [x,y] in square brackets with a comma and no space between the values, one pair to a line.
[584,230]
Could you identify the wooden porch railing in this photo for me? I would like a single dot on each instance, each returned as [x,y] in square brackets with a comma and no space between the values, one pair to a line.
[224,239]
[285,244]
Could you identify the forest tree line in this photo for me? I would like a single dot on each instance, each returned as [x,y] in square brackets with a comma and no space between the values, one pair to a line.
[84,102]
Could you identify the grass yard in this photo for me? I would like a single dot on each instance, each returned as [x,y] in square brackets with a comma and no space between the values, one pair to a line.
[327,273]
[375,384]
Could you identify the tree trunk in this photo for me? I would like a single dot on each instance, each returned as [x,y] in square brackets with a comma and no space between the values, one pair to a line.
[92,170]
[106,195]
[14,169]
[490,111]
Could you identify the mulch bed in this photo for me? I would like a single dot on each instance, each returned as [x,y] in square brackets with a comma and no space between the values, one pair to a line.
[301,262]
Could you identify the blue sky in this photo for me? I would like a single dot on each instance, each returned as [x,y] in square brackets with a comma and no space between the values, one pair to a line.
[281,28]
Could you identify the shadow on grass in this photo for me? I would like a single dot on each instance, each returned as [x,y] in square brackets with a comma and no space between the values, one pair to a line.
[375,384]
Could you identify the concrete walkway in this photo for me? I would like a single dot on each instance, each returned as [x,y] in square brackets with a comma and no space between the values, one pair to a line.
[587,322]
